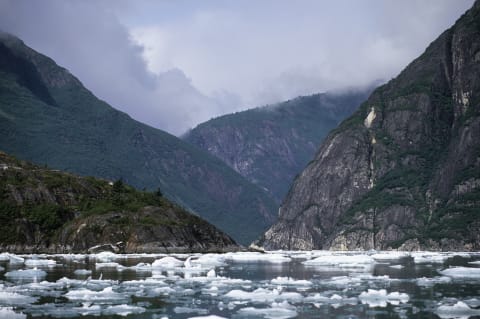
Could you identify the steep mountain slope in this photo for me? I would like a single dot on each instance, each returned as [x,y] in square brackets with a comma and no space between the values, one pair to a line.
[47,116]
[42,210]
[404,170]
[270,145]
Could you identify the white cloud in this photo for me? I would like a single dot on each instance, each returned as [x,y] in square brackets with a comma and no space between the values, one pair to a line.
[173,64]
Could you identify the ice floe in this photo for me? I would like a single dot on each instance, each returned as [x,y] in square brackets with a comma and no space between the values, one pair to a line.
[82,272]
[106,295]
[123,310]
[430,282]
[262,295]
[9,313]
[15,299]
[430,258]
[275,311]
[257,257]
[40,263]
[167,262]
[392,255]
[26,274]
[350,262]
[380,298]
[460,310]
[462,272]
[287,281]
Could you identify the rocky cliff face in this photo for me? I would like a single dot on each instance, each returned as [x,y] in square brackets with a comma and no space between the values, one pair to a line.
[270,145]
[47,116]
[47,211]
[404,170]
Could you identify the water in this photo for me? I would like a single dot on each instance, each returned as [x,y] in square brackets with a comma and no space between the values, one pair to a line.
[314,284]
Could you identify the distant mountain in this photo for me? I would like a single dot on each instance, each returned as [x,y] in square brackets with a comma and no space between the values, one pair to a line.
[270,145]
[404,170]
[48,211]
[48,117]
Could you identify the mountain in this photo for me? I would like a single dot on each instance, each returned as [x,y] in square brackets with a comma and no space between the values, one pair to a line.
[48,117]
[270,145]
[404,170]
[44,210]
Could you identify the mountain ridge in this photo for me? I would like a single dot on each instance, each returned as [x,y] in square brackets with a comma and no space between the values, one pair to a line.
[82,134]
[403,171]
[270,145]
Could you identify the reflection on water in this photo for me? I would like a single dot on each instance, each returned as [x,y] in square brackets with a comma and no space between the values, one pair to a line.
[314,284]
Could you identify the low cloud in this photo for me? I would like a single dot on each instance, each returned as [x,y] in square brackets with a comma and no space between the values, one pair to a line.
[175,64]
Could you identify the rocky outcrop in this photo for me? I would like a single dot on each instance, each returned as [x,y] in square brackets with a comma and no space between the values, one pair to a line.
[47,211]
[403,172]
[48,117]
[270,145]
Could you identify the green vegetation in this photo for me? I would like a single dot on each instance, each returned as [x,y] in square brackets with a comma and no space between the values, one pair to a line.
[47,200]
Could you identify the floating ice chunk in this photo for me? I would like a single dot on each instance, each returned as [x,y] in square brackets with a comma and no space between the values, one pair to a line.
[462,272]
[391,255]
[9,313]
[190,310]
[363,262]
[5,257]
[380,298]
[277,311]
[15,299]
[31,274]
[476,262]
[209,260]
[106,295]
[460,310]
[429,258]
[1,269]
[167,262]
[343,281]
[263,295]
[123,310]
[257,257]
[39,262]
[397,266]
[11,258]
[290,281]
[211,273]
[107,265]
[430,282]
[105,256]
[82,272]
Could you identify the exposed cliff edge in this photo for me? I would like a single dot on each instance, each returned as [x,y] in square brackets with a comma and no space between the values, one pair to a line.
[270,145]
[48,211]
[404,171]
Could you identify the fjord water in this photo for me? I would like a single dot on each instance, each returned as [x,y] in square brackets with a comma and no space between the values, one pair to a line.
[317,284]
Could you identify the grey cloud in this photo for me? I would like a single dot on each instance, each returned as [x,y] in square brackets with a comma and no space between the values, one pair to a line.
[175,64]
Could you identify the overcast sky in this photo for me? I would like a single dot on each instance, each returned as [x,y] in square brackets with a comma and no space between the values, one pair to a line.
[174,64]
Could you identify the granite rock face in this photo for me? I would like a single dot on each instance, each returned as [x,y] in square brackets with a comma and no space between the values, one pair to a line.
[403,172]
[270,145]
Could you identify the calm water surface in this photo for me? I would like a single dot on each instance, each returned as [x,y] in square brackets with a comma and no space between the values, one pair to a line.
[314,284]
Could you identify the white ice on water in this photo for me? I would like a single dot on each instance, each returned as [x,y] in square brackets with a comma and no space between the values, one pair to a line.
[462,272]
[380,298]
[281,310]
[39,263]
[9,313]
[460,310]
[26,274]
